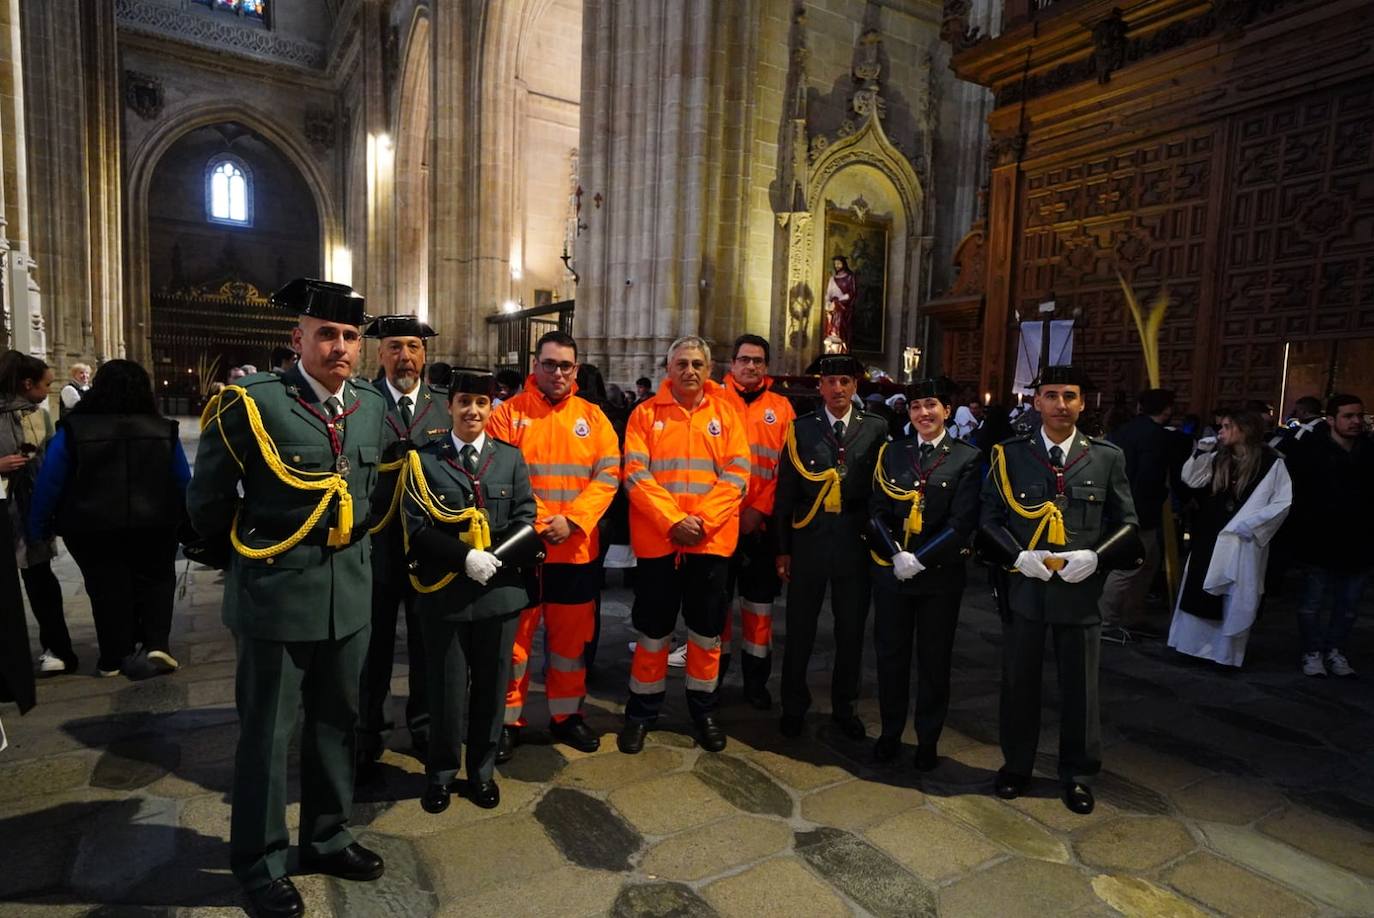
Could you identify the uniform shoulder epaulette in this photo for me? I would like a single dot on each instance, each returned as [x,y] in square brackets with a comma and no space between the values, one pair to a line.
[870,416]
[366,386]
[503,442]
[257,379]
[1103,441]
[1019,438]
[954,443]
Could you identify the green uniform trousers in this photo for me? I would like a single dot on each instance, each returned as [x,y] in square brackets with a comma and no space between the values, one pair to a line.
[468,668]
[274,680]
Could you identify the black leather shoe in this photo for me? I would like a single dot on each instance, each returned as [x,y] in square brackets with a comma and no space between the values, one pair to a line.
[926,758]
[352,863]
[631,738]
[850,726]
[886,748]
[505,746]
[758,696]
[278,899]
[710,734]
[573,731]
[1009,786]
[435,798]
[792,725]
[486,794]
[1079,798]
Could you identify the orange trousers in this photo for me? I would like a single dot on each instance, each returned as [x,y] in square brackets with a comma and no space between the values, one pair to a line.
[568,629]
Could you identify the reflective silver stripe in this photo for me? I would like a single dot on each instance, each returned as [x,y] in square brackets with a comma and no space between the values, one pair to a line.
[609,476]
[754,650]
[739,462]
[605,462]
[560,468]
[647,688]
[761,473]
[701,685]
[702,641]
[737,480]
[635,478]
[513,714]
[685,487]
[565,664]
[761,609]
[558,493]
[653,645]
[637,457]
[682,465]
[765,451]
[518,670]
[565,705]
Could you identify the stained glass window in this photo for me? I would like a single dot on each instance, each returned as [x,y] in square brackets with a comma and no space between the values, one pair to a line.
[249,9]
[229,192]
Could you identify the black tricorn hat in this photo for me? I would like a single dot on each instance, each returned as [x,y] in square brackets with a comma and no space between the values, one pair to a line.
[473,384]
[836,365]
[306,296]
[941,387]
[1062,375]
[399,327]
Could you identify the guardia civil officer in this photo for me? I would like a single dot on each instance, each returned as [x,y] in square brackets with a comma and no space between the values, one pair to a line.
[303,446]
[820,515]
[924,516]
[415,416]
[469,510]
[1057,510]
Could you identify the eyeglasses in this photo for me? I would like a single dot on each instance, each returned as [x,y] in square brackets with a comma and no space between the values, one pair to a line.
[553,366]
[757,361]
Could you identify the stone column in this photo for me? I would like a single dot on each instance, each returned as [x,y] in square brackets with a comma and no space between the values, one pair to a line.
[24,327]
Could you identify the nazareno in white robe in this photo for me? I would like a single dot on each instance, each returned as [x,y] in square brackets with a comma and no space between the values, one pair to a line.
[1236,572]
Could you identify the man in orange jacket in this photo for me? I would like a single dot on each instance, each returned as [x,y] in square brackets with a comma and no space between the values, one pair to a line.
[574,459]
[686,471]
[766,415]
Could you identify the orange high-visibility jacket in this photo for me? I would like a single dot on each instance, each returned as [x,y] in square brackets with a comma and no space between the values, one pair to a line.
[679,464]
[766,419]
[574,459]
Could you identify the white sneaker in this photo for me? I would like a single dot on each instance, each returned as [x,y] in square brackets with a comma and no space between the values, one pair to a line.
[163,660]
[47,663]
[1337,664]
[1312,664]
[678,658]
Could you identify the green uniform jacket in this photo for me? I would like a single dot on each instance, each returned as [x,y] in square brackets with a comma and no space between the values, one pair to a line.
[311,592]
[949,515]
[429,422]
[831,542]
[1099,503]
[508,499]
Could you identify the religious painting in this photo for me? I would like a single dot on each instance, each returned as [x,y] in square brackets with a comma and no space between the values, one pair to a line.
[249,9]
[857,304]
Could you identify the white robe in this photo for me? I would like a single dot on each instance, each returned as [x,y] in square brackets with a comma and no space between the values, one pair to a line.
[1236,572]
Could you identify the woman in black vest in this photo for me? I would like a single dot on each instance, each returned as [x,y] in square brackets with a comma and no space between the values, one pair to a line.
[113,486]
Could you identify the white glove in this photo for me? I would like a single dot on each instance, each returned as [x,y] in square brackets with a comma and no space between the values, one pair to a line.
[1079,565]
[481,565]
[906,565]
[1032,564]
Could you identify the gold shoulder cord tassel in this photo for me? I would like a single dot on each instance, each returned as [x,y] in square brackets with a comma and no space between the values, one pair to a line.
[477,537]
[829,496]
[914,519]
[1050,516]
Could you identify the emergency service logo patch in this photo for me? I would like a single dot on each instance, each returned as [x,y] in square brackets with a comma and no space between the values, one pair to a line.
[581,428]
[658,425]
[713,428]
[769,417]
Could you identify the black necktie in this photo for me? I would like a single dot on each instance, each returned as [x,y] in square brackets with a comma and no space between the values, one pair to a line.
[332,407]
[1056,457]
[926,450]
[468,455]
[406,415]
[839,431]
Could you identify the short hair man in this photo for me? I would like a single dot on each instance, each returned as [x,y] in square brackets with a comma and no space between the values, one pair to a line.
[1333,500]
[1057,510]
[415,417]
[686,471]
[644,389]
[297,596]
[574,461]
[767,416]
[71,393]
[820,516]
[283,359]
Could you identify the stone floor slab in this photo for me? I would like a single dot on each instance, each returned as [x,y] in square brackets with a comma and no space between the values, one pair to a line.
[669,804]
[408,820]
[1234,891]
[1226,798]
[1134,897]
[660,900]
[743,785]
[708,850]
[856,805]
[865,874]
[1157,770]
[1310,876]
[1018,888]
[1003,825]
[404,891]
[800,774]
[123,845]
[780,886]
[587,831]
[466,859]
[1134,843]
[564,892]
[607,770]
[1323,837]
[930,845]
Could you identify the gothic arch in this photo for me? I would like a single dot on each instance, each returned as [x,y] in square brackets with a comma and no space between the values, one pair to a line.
[142,164]
[413,185]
